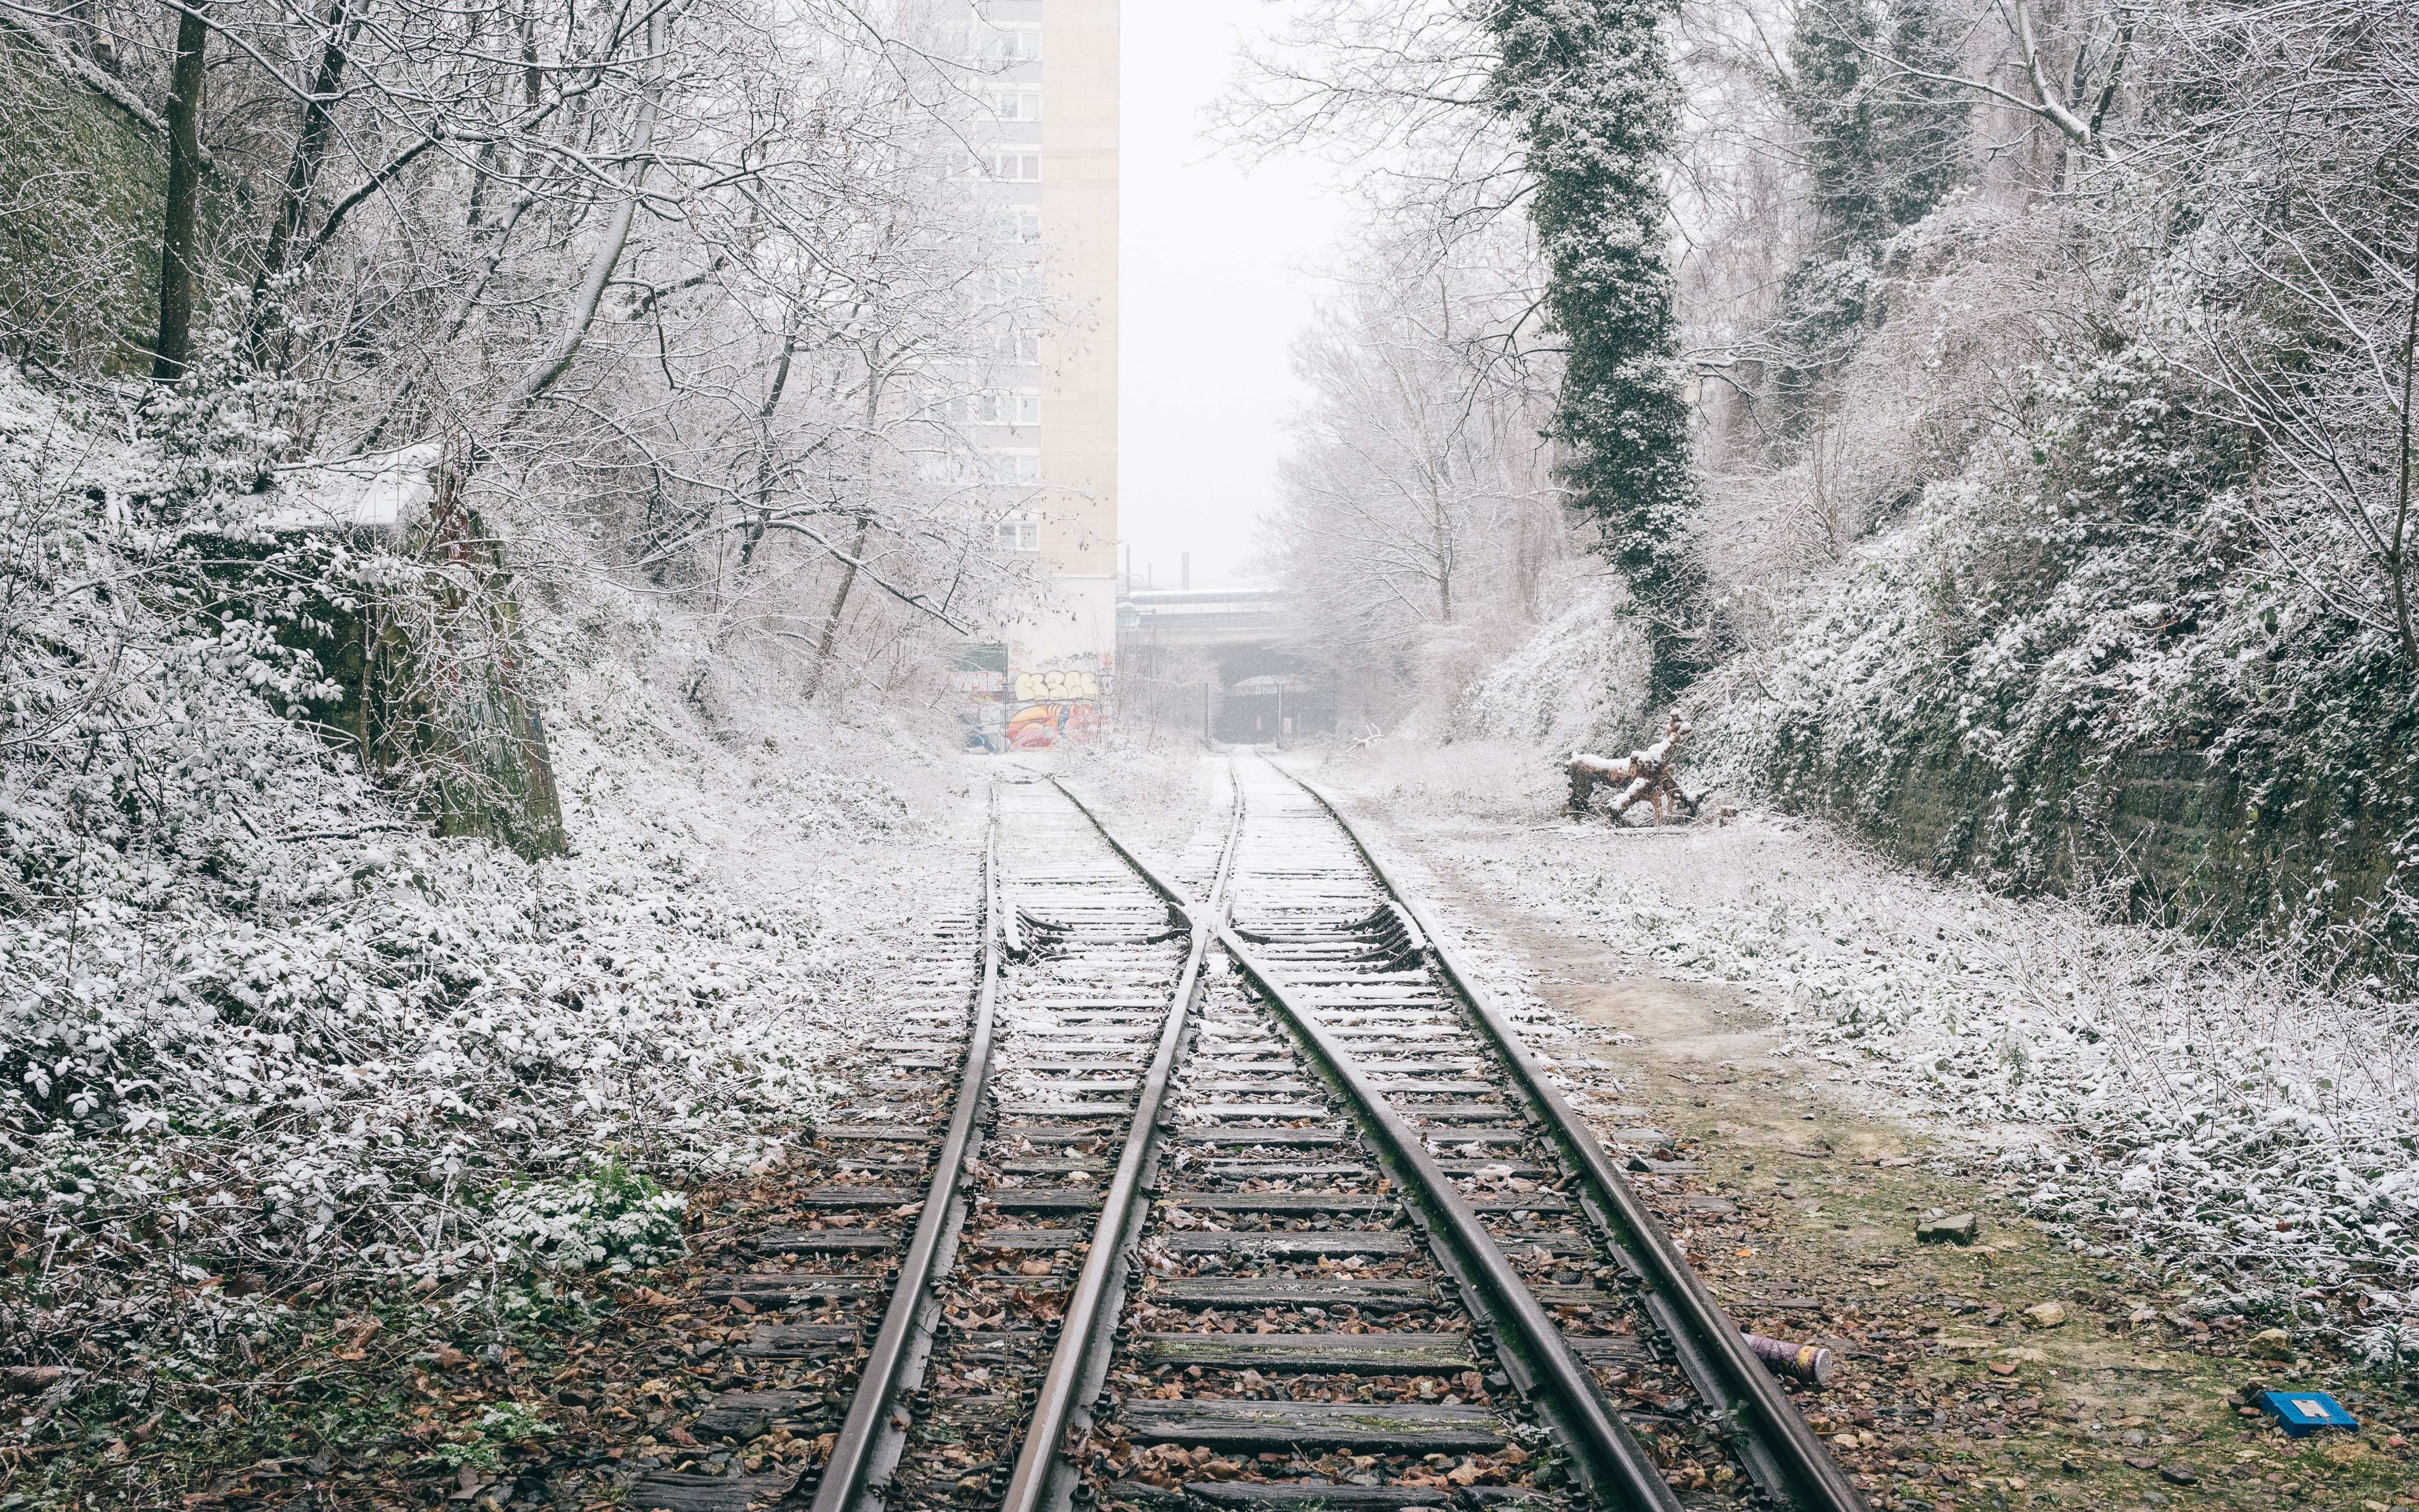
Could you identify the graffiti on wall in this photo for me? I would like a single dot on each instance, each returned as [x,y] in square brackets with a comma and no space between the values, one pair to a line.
[1028,710]
[1041,726]
[1041,687]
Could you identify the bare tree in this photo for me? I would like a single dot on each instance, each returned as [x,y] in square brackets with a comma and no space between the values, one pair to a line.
[2071,78]
[1417,488]
[2309,267]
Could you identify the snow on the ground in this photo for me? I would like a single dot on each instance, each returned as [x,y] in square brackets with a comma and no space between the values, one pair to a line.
[2208,1109]
[1155,797]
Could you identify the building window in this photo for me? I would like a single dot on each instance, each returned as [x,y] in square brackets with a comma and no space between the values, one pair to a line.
[1016,534]
[1017,283]
[1016,104]
[1016,167]
[1016,469]
[1024,226]
[1002,406]
[1019,44]
[1012,347]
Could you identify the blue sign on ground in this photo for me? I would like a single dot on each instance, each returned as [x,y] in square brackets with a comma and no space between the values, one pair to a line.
[2304,1413]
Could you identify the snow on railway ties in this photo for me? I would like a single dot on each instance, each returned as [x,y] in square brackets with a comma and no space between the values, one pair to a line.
[818,1282]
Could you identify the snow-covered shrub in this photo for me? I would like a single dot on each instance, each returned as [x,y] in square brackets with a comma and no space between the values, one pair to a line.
[1579,682]
[2083,602]
[2391,1346]
[259,1031]
[609,1217]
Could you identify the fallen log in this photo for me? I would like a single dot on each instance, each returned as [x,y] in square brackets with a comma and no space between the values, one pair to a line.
[1649,775]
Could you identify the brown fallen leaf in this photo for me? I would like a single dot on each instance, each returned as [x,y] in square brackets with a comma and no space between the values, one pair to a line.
[25,1380]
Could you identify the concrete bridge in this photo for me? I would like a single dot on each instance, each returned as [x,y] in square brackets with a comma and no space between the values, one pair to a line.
[1202,616]
[1222,662]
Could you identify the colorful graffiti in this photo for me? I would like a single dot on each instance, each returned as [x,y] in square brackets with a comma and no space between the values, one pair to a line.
[1045,687]
[1027,710]
[1041,726]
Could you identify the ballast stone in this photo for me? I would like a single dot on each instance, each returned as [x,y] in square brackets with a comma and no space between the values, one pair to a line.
[2272,1344]
[1959,1229]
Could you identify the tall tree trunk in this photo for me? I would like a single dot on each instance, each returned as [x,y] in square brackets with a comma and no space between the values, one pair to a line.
[181,228]
[2397,540]
[301,173]
[830,640]
[1441,538]
[1593,88]
[765,469]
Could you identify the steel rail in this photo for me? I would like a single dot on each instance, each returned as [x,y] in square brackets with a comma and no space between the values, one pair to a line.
[1030,1485]
[1613,1463]
[1797,1467]
[853,1448]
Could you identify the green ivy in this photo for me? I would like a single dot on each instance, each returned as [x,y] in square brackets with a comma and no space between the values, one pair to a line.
[1592,85]
[1883,146]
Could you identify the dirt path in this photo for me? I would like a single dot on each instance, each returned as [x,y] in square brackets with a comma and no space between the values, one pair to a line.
[2007,1372]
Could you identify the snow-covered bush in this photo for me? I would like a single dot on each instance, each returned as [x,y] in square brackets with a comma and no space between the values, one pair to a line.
[1579,682]
[2067,580]
[2391,1346]
[259,1032]
[609,1217]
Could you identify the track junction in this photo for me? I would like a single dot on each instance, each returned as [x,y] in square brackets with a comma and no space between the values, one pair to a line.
[1228,1185]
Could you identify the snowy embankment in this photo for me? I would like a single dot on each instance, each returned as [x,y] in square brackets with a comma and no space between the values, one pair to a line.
[262,1035]
[2208,1110]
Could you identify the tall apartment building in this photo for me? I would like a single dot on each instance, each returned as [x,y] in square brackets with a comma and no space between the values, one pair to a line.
[1053,163]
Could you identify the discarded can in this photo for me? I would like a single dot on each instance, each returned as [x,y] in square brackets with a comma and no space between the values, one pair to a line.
[2302,1413]
[1809,1363]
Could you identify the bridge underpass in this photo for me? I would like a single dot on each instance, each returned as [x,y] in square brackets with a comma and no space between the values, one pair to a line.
[1220,664]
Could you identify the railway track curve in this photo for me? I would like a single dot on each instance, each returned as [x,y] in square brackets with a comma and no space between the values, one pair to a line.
[1234,1187]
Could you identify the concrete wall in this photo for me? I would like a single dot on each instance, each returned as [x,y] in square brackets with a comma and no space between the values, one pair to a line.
[83,188]
[2248,845]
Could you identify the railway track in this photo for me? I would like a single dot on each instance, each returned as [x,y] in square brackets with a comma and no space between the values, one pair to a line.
[1228,1185]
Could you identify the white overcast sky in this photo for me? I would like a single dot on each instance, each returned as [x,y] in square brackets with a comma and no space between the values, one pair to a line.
[1217,275]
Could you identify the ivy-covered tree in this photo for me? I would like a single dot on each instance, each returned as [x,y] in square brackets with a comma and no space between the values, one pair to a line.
[1885,128]
[1591,87]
